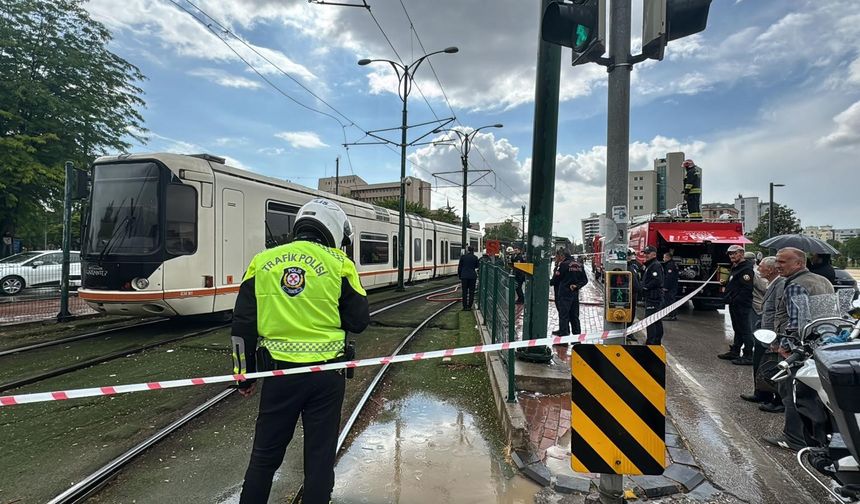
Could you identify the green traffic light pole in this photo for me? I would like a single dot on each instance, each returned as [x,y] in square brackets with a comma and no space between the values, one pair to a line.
[404,76]
[541,196]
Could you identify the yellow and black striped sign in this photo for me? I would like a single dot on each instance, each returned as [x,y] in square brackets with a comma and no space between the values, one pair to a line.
[618,409]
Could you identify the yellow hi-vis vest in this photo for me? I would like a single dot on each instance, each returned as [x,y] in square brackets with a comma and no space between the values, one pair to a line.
[297,287]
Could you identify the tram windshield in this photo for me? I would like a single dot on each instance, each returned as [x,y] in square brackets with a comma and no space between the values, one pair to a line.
[124,213]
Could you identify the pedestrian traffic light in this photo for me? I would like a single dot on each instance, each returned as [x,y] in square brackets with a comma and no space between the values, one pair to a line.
[580,25]
[666,20]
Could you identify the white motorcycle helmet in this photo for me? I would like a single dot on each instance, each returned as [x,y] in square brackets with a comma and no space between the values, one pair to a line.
[324,218]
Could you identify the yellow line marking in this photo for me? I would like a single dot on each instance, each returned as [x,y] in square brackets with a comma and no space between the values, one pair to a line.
[602,445]
[622,413]
[632,370]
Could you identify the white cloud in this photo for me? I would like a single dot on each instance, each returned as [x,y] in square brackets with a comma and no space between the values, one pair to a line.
[302,139]
[225,79]
[271,151]
[179,33]
[847,128]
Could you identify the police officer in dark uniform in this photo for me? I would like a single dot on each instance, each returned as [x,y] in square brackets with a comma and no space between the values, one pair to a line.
[572,278]
[297,301]
[519,275]
[739,297]
[652,289]
[670,283]
[467,272]
[693,189]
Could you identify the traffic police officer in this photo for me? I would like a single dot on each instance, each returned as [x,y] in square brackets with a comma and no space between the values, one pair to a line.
[298,300]
[693,189]
[652,286]
[572,279]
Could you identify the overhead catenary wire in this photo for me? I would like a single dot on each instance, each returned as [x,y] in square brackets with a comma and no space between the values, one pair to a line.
[351,123]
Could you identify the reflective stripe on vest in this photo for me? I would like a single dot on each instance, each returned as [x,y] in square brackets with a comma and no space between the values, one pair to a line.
[298,287]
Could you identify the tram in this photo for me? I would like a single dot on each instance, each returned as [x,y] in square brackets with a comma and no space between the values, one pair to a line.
[171,234]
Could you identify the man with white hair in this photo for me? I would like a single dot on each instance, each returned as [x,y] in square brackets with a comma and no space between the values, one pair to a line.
[775,283]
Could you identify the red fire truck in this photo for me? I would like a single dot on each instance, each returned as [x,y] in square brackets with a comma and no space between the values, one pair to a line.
[698,248]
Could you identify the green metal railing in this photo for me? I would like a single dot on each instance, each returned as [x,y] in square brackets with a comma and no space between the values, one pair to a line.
[496,300]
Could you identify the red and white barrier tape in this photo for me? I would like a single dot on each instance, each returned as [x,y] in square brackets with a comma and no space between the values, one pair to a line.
[592,338]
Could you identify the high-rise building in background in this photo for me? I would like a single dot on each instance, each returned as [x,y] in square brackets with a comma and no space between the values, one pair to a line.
[590,229]
[657,190]
[749,211]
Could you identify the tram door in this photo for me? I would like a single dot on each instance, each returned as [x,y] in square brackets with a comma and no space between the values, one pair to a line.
[233,261]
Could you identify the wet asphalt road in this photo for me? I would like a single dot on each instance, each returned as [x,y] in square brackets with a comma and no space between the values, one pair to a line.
[724,431]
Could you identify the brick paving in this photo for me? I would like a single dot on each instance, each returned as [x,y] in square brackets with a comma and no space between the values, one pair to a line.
[548,416]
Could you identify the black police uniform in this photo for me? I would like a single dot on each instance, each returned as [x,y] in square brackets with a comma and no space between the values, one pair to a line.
[520,277]
[572,278]
[652,288]
[693,192]
[739,297]
[467,272]
[556,276]
[670,284]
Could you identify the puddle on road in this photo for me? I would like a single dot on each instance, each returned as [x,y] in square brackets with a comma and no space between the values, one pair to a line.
[422,448]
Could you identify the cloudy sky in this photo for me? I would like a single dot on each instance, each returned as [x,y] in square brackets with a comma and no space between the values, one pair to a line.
[770,92]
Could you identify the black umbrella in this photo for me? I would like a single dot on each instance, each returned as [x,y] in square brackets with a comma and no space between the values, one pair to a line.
[808,244]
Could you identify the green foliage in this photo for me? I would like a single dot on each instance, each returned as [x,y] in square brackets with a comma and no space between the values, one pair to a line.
[851,250]
[505,232]
[784,222]
[444,214]
[63,97]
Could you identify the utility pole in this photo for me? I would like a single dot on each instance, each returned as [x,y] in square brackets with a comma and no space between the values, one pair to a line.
[465,159]
[337,175]
[524,226]
[770,210]
[541,194]
[64,314]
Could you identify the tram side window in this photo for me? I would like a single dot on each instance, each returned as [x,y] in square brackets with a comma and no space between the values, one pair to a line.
[279,223]
[417,249]
[394,248]
[373,248]
[181,225]
[473,242]
[455,251]
[429,250]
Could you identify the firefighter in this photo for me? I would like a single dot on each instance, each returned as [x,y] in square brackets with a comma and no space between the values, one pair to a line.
[693,189]
[652,287]
[572,279]
[298,300]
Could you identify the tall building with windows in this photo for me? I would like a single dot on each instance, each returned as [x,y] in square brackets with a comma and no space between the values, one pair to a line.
[717,211]
[590,229]
[653,191]
[749,211]
[353,186]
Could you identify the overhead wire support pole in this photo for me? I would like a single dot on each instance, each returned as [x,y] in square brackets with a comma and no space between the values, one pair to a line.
[404,75]
[466,140]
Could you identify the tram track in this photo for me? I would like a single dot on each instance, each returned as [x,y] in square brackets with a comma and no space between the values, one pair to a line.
[94,482]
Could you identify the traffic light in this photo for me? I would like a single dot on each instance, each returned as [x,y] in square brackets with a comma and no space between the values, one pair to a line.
[580,25]
[666,20]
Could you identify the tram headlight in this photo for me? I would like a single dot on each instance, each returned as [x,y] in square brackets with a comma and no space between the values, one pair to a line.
[140,283]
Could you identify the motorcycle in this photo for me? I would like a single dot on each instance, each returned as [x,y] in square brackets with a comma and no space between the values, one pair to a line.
[825,358]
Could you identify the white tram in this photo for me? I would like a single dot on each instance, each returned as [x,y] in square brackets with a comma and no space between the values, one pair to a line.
[172,234]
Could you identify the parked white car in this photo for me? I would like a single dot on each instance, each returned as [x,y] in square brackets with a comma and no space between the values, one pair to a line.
[39,268]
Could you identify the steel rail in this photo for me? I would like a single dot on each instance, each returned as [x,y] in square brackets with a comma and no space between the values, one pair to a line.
[77,337]
[91,484]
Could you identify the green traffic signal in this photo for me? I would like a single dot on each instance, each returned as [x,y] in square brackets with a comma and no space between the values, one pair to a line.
[583,37]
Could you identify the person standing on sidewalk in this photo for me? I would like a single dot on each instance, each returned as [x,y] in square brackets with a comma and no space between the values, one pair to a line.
[572,279]
[652,287]
[739,297]
[467,272]
[670,283]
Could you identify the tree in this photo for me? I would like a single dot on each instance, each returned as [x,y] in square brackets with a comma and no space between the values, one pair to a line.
[851,250]
[505,232]
[63,96]
[411,207]
[784,222]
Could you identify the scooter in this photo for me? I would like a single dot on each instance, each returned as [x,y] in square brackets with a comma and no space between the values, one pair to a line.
[834,373]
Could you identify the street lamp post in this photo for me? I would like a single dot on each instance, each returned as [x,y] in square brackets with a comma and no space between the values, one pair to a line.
[770,210]
[404,75]
[465,147]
